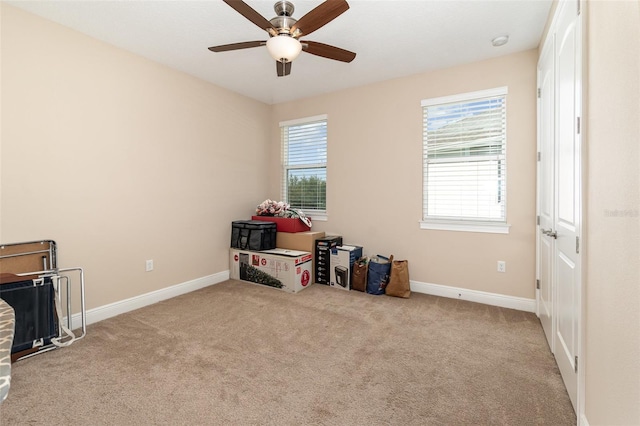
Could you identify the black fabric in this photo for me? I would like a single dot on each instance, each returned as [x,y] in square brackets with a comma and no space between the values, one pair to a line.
[253,235]
[34,307]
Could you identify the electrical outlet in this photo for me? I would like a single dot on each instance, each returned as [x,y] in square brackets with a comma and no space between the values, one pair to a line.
[502,266]
[149,265]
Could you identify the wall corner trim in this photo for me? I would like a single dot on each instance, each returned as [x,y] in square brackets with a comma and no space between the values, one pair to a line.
[583,420]
[494,299]
[111,310]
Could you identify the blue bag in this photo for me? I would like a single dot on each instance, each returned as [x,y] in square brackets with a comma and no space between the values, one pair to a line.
[378,274]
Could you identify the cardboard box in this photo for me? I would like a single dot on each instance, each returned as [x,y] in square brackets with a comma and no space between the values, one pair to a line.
[287,270]
[303,241]
[341,263]
[285,224]
[323,252]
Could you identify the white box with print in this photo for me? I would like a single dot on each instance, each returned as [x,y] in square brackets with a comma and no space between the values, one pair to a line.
[287,270]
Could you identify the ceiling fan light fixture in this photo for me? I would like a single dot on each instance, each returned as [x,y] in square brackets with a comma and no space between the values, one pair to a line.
[284,47]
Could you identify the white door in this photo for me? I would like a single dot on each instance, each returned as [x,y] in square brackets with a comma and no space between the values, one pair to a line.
[567,195]
[559,191]
[546,193]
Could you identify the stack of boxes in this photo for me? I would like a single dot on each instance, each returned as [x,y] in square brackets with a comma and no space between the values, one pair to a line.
[300,256]
[287,264]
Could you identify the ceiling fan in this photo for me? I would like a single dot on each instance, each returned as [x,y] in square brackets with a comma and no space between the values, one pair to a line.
[284,32]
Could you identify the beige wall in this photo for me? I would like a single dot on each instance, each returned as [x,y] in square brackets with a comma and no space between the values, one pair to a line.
[613,218]
[374,174]
[120,160]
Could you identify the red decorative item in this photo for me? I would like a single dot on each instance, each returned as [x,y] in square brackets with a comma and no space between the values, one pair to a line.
[284,224]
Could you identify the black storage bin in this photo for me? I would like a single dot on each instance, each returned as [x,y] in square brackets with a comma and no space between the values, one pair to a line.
[253,235]
[34,305]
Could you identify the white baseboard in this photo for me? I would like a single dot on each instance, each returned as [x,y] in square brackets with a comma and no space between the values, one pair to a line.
[494,299]
[111,310]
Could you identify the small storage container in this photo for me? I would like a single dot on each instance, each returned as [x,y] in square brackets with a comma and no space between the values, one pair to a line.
[253,235]
[285,224]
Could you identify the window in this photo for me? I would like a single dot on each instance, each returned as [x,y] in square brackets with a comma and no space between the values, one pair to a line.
[464,162]
[304,164]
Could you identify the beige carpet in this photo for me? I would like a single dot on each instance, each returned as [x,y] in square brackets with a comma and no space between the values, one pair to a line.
[238,353]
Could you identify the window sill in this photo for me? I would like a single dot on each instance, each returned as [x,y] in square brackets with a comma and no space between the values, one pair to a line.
[318,217]
[486,227]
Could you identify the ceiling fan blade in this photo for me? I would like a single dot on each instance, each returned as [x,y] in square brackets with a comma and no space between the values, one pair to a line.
[237,46]
[327,51]
[320,16]
[248,12]
[283,69]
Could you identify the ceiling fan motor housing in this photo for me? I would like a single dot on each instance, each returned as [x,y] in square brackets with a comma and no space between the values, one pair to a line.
[283,22]
[283,8]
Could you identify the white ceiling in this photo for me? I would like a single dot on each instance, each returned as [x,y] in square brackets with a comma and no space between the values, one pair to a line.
[392,38]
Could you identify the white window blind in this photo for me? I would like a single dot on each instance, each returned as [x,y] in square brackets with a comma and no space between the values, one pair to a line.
[304,163]
[464,157]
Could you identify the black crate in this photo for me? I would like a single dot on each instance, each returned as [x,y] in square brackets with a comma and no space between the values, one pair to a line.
[253,235]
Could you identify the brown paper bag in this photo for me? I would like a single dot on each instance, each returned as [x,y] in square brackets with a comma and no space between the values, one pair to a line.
[399,285]
[359,274]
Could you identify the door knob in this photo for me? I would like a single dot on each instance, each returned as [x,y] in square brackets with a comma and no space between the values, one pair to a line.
[550,233]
